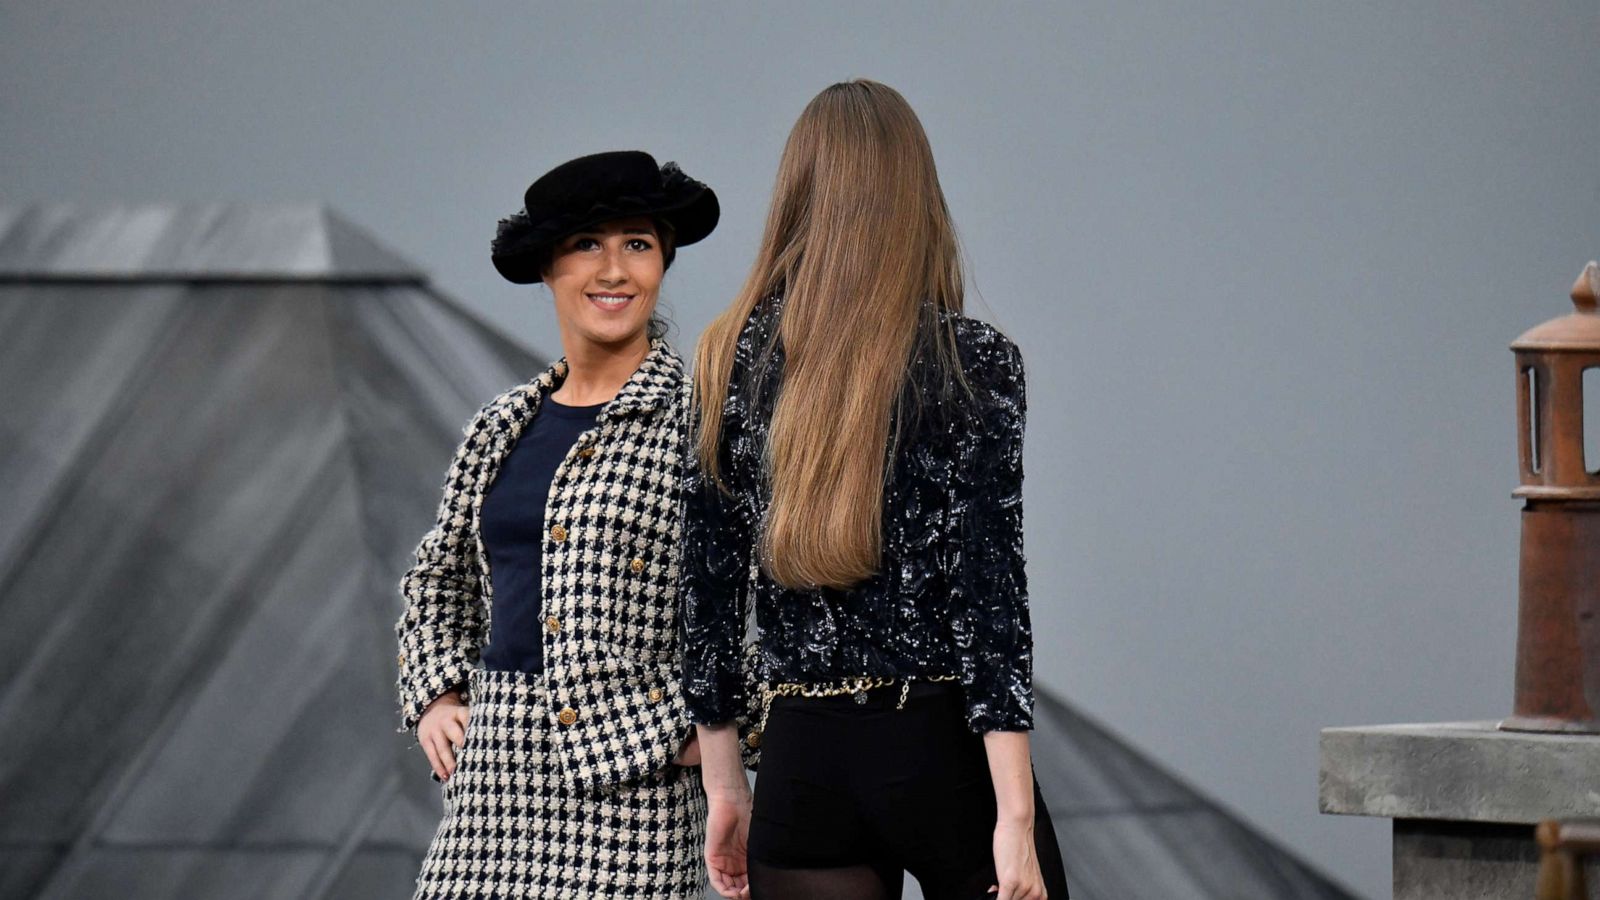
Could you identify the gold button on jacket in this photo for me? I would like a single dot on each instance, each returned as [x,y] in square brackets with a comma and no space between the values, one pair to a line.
[610,632]
[655,695]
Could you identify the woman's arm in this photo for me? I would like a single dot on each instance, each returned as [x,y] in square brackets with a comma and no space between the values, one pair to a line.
[713,571]
[714,566]
[1016,860]
[441,631]
[689,755]
[716,552]
[727,809]
[992,628]
[713,615]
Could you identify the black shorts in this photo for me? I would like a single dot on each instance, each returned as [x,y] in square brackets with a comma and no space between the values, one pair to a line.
[844,783]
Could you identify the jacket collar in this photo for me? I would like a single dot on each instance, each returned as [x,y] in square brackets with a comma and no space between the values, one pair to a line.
[653,385]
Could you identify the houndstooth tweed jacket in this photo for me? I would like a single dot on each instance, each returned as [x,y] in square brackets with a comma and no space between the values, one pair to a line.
[610,572]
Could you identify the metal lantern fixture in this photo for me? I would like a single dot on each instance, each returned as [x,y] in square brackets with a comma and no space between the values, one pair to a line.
[1558,625]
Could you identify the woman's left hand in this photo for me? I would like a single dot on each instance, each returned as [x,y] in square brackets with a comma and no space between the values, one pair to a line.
[1016,863]
[690,754]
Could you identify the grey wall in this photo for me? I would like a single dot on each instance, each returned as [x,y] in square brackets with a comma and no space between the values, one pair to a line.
[1263,260]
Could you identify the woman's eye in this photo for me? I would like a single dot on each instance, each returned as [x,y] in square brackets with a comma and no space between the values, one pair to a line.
[585,244]
[639,245]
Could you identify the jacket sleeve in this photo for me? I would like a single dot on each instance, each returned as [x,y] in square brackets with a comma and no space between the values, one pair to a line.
[992,628]
[441,631]
[718,545]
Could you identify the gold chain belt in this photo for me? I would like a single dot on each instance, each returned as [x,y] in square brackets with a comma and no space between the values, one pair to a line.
[856,687]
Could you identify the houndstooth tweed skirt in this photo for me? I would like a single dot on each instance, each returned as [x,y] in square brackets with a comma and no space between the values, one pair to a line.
[513,827]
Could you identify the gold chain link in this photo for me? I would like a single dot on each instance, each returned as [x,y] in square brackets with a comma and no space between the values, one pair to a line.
[857,686]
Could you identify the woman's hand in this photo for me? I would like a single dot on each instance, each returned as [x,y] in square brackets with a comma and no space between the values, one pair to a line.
[441,731]
[727,810]
[690,754]
[727,835]
[1016,862]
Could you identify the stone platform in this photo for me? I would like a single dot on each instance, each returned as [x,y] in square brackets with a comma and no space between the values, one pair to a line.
[1465,797]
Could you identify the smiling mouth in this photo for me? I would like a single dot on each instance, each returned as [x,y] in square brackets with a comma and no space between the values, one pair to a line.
[610,301]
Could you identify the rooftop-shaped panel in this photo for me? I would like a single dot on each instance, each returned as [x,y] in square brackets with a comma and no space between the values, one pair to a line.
[191,242]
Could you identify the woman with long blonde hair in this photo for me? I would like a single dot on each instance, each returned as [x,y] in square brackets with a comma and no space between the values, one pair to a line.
[856,479]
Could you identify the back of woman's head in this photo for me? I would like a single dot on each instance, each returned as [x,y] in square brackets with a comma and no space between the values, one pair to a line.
[860,244]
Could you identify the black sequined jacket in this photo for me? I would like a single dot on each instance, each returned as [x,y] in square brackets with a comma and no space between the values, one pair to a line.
[950,596]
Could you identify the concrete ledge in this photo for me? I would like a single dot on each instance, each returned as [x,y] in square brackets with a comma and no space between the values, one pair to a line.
[1459,771]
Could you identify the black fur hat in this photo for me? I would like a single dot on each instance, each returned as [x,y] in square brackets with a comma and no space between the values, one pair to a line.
[598,188]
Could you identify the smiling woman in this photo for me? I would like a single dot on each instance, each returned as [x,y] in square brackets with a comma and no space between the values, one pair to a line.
[539,642]
[605,279]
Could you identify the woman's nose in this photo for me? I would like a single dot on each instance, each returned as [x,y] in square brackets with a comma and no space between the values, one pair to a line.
[612,271]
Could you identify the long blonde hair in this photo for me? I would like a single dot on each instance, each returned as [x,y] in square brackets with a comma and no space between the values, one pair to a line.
[860,244]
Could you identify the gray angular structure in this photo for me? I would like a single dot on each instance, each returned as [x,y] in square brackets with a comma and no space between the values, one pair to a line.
[1131,829]
[222,431]
[219,431]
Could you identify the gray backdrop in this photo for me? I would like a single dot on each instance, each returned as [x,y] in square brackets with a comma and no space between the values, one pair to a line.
[1263,260]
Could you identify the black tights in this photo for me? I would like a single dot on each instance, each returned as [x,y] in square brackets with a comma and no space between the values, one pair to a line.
[852,796]
[862,882]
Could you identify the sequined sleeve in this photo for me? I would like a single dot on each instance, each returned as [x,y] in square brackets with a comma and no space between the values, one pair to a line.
[992,628]
[717,544]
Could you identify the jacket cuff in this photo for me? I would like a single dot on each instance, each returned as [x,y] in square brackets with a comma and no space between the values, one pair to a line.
[420,687]
[984,724]
[719,703]
[1004,713]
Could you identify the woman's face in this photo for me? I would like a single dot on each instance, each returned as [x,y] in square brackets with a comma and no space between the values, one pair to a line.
[605,280]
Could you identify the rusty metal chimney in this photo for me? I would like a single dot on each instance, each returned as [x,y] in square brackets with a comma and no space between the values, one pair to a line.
[1558,625]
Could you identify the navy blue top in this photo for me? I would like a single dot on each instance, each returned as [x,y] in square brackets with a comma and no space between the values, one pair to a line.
[512,526]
